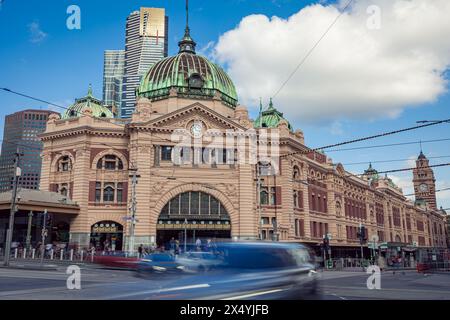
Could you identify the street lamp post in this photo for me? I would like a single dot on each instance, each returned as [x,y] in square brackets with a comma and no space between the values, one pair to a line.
[185,235]
[17,174]
[44,235]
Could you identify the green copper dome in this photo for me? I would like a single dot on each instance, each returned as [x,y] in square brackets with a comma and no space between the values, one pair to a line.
[270,118]
[191,75]
[88,102]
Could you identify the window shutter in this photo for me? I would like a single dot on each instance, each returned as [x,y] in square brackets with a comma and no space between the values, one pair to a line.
[125,192]
[300,200]
[157,151]
[278,196]
[92,191]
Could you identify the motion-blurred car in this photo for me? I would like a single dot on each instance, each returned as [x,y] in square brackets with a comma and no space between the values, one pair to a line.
[198,261]
[158,263]
[116,260]
[251,270]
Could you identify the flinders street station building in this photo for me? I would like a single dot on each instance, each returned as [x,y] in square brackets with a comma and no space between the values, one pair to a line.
[190,162]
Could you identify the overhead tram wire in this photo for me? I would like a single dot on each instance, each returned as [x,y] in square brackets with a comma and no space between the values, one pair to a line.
[281,156]
[389,145]
[389,161]
[308,54]
[381,135]
[66,108]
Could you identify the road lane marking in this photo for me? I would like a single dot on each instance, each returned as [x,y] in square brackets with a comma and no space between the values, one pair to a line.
[196,286]
[261,293]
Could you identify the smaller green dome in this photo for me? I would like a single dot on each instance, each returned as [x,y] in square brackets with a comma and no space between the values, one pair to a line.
[88,102]
[270,118]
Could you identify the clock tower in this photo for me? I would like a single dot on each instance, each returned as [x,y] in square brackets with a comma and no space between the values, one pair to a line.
[424,182]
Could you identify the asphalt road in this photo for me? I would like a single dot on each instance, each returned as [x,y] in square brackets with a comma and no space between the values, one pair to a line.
[102,284]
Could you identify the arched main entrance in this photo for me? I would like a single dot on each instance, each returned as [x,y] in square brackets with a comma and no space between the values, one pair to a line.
[107,235]
[193,215]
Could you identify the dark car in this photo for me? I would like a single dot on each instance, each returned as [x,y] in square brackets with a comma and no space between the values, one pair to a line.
[251,270]
[158,263]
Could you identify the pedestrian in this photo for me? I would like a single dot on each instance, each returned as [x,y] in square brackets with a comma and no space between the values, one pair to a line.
[140,250]
[177,247]
[198,244]
[172,245]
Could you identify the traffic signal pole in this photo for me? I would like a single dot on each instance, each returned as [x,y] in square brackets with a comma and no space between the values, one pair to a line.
[44,235]
[13,208]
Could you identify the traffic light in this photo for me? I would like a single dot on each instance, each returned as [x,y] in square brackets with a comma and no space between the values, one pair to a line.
[326,242]
[362,234]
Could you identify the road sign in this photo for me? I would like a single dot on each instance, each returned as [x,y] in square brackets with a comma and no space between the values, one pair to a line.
[375,238]
[329,236]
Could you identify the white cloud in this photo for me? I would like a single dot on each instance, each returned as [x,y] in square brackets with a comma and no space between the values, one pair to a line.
[404,182]
[354,72]
[36,34]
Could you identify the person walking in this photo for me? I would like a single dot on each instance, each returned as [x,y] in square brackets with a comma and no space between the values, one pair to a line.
[172,245]
[140,250]
[198,244]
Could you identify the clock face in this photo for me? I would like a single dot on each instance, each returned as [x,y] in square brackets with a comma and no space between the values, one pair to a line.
[423,188]
[197,129]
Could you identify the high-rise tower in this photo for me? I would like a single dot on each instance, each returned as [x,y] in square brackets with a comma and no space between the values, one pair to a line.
[21,130]
[113,72]
[145,44]
[425,182]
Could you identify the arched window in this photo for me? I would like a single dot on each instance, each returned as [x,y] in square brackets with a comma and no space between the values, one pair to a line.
[194,203]
[64,164]
[108,192]
[110,162]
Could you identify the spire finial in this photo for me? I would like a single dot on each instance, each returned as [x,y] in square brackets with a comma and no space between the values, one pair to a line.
[271,103]
[90,94]
[187,14]
[187,44]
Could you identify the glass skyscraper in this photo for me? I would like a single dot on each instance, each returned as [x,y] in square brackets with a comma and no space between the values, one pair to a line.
[21,130]
[113,71]
[145,44]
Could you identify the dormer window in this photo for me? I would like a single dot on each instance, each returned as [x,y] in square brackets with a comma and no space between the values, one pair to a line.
[64,164]
[110,162]
[196,81]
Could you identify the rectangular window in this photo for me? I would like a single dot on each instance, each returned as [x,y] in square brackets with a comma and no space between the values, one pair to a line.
[204,202]
[119,192]
[195,203]
[98,191]
[166,153]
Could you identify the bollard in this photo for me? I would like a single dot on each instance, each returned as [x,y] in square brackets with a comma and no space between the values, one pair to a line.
[25,253]
[61,256]
[15,253]
[82,255]
[71,254]
[33,253]
[92,256]
[51,254]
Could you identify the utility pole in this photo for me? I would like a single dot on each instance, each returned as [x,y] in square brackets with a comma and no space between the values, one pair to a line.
[17,174]
[30,221]
[258,178]
[44,235]
[133,210]
[185,235]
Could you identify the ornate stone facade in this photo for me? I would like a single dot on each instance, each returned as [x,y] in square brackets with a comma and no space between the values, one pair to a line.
[309,197]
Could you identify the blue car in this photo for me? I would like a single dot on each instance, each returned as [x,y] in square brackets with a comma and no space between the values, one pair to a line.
[249,270]
[158,263]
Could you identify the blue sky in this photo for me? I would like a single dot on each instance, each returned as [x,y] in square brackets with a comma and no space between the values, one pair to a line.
[41,57]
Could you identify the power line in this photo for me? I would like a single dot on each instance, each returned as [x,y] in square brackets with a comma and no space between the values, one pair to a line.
[388,145]
[302,61]
[384,134]
[389,161]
